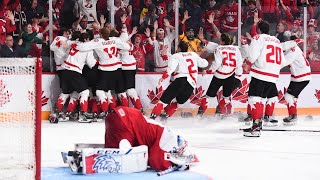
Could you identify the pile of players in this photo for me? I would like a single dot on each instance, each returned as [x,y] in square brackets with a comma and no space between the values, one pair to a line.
[89,69]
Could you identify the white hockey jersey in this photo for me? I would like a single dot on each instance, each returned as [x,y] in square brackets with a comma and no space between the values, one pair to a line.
[210,46]
[160,62]
[265,54]
[299,65]
[185,64]
[60,53]
[228,60]
[126,57]
[77,59]
[107,50]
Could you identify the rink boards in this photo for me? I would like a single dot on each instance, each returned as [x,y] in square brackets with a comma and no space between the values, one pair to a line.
[149,92]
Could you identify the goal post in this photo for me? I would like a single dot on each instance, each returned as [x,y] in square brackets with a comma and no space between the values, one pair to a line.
[20,118]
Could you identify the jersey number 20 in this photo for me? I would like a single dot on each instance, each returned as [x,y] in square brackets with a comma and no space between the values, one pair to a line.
[275,55]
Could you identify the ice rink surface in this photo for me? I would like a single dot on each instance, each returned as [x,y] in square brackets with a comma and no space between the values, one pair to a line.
[224,153]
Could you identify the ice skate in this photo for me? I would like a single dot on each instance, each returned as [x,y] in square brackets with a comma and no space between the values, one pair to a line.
[254,131]
[200,112]
[269,121]
[247,120]
[83,117]
[290,120]
[53,118]
[153,116]
[62,117]
[164,117]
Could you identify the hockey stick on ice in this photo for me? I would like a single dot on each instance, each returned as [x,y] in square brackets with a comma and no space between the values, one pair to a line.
[288,130]
[167,171]
[292,130]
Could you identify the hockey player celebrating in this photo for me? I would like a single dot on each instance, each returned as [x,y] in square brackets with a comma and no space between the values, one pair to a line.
[227,64]
[129,67]
[300,78]
[166,150]
[60,54]
[183,66]
[109,67]
[73,79]
[265,54]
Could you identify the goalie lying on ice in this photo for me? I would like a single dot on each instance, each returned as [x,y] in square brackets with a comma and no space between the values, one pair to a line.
[132,141]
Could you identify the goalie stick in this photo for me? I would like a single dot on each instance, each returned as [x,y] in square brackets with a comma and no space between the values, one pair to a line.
[287,130]
[167,171]
[292,130]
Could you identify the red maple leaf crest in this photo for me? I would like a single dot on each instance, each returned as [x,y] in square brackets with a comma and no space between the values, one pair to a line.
[281,96]
[155,96]
[197,96]
[317,94]
[4,94]
[44,99]
[240,94]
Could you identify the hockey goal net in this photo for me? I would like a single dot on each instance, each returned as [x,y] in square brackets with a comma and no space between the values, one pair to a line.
[20,118]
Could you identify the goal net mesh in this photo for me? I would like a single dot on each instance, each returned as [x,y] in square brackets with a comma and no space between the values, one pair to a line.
[18,118]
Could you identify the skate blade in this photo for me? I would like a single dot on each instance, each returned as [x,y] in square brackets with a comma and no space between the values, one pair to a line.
[289,123]
[63,119]
[85,121]
[251,134]
[269,124]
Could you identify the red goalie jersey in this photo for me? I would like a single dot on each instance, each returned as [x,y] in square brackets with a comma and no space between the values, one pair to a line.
[128,123]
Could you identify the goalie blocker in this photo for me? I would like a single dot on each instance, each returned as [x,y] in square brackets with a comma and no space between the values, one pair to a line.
[153,144]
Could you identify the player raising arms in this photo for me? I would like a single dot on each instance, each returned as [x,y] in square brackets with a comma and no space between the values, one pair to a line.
[183,66]
[129,67]
[227,64]
[300,78]
[265,54]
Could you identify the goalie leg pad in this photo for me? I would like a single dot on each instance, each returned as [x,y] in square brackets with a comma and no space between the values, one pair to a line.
[112,160]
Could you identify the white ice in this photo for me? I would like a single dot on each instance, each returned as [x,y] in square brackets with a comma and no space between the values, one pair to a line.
[223,152]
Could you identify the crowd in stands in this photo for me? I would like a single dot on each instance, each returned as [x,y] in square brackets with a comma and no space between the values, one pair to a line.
[24,24]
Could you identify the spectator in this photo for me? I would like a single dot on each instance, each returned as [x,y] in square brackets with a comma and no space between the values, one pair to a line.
[161,6]
[20,19]
[195,12]
[229,17]
[56,8]
[81,24]
[102,9]
[211,8]
[7,25]
[144,10]
[313,54]
[10,49]
[35,10]
[88,7]
[248,15]
[28,37]
[136,6]
[296,29]
[140,51]
[149,19]
[282,34]
[312,33]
